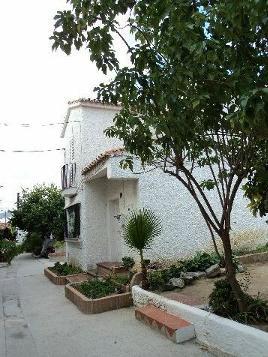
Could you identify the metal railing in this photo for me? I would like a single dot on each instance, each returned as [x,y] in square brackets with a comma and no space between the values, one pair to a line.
[68,176]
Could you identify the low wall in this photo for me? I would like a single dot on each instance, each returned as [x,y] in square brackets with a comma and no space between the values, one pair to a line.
[254,258]
[222,336]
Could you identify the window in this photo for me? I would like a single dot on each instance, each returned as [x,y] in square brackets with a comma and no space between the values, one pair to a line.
[72,228]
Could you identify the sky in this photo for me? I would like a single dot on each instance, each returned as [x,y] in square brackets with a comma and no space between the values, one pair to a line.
[35,86]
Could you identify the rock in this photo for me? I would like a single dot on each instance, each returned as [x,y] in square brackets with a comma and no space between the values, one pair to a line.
[136,280]
[196,274]
[240,268]
[223,271]
[188,278]
[177,282]
[213,271]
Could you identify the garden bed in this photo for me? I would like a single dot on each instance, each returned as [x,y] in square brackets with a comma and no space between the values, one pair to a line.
[98,305]
[58,279]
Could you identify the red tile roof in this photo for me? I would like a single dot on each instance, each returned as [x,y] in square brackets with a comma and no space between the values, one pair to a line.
[102,157]
[88,100]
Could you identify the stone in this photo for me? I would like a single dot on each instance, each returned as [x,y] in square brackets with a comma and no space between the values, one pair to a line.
[177,282]
[188,278]
[196,274]
[240,268]
[213,271]
[223,271]
[136,280]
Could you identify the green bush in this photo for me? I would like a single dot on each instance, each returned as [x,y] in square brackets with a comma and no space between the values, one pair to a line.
[121,279]
[95,289]
[65,269]
[200,262]
[33,243]
[158,279]
[224,303]
[128,262]
[8,251]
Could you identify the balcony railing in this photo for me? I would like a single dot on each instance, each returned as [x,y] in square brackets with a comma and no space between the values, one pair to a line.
[68,176]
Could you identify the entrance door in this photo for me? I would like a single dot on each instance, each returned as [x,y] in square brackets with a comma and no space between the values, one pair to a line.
[114,230]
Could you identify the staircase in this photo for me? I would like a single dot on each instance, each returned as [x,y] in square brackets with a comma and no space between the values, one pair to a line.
[174,327]
[111,268]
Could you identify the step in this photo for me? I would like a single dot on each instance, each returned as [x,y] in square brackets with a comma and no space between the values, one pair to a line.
[109,268]
[174,327]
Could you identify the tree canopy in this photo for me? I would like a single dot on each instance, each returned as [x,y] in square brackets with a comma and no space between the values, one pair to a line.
[194,94]
[40,210]
[195,66]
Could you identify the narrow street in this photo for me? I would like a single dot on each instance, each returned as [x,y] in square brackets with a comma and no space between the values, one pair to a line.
[36,320]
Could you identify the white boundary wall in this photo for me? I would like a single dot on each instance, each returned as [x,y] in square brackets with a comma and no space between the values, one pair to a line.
[222,336]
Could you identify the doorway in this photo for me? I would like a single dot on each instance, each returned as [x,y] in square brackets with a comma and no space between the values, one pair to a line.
[114,232]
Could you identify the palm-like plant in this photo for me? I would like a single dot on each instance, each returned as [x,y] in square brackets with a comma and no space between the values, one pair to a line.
[139,232]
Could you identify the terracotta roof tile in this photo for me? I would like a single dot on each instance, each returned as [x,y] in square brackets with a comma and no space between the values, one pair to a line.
[89,100]
[102,157]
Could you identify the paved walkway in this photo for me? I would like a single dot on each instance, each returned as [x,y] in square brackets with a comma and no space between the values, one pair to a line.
[36,320]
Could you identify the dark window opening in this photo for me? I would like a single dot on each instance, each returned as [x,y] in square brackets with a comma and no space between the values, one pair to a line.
[72,222]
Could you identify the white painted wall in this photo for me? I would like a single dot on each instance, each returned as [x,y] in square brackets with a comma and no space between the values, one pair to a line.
[220,335]
[184,231]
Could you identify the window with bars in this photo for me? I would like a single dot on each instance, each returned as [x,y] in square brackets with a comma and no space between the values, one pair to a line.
[72,222]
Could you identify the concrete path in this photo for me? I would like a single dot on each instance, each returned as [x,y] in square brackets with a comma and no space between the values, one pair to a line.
[36,320]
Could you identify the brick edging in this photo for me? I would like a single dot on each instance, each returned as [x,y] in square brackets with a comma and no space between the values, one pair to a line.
[57,279]
[95,306]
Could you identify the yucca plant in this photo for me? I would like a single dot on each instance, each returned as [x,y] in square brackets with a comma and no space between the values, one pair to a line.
[139,232]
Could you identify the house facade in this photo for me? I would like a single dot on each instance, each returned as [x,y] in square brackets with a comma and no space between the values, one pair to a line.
[99,194]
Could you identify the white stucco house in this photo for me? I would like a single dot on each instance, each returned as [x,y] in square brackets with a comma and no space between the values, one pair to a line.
[98,193]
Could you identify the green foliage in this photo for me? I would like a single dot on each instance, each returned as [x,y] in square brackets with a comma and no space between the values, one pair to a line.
[158,279]
[200,262]
[32,243]
[8,251]
[65,269]
[40,210]
[140,229]
[58,244]
[128,262]
[95,289]
[224,303]
[121,279]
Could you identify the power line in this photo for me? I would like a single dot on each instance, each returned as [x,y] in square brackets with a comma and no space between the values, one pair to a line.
[30,151]
[29,125]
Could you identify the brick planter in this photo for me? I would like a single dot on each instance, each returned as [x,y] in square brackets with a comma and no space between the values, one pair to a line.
[95,306]
[57,279]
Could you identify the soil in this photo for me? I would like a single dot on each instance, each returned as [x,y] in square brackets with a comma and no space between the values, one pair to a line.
[255,276]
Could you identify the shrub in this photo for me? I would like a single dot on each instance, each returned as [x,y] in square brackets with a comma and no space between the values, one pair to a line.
[121,279]
[128,262]
[224,303]
[8,251]
[33,243]
[200,262]
[65,269]
[158,279]
[95,289]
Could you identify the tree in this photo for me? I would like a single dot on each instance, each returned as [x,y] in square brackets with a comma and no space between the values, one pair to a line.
[41,210]
[193,97]
[139,232]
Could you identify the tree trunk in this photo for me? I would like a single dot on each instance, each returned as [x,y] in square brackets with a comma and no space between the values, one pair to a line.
[145,283]
[231,273]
